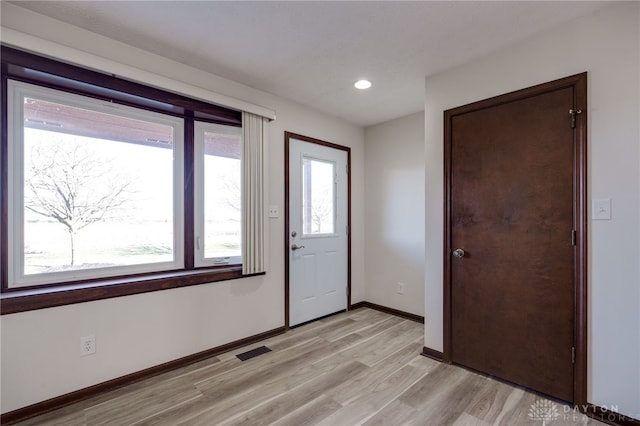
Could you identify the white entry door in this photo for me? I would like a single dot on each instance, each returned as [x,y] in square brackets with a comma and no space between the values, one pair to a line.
[318,230]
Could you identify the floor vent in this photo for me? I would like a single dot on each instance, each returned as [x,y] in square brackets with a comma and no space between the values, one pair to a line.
[253,353]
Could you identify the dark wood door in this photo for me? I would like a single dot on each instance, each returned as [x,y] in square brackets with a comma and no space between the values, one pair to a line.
[512,199]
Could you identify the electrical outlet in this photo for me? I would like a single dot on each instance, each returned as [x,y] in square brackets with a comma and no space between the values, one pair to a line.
[87,345]
[400,288]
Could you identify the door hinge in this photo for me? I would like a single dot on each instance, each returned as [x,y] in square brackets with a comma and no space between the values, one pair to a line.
[346,167]
[574,237]
[346,229]
[573,113]
[573,355]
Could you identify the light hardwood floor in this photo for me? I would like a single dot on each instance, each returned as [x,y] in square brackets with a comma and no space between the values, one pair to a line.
[360,367]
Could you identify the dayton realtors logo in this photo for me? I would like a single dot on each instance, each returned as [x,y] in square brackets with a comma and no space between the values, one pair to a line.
[544,410]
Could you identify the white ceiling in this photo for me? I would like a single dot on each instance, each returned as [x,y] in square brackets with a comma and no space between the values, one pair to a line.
[311,52]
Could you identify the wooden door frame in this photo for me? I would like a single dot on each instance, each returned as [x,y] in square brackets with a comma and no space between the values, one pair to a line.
[287,141]
[579,84]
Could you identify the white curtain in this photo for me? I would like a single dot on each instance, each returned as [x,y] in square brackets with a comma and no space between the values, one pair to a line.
[254,129]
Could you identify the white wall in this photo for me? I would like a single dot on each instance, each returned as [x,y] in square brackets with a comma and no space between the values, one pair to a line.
[40,349]
[607,46]
[394,220]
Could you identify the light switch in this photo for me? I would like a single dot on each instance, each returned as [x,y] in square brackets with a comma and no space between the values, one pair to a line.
[601,209]
[273,212]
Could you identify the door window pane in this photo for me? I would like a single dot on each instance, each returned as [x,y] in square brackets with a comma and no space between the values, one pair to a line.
[318,196]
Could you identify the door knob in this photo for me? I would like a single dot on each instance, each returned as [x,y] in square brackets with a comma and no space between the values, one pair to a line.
[458,252]
[295,247]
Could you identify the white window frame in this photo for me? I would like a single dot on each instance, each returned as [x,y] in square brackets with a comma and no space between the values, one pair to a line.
[16,92]
[200,127]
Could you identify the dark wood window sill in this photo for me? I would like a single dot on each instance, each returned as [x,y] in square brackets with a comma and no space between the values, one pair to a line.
[14,301]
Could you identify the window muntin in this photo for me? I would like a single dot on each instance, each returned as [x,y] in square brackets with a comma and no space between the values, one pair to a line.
[218,190]
[318,196]
[108,175]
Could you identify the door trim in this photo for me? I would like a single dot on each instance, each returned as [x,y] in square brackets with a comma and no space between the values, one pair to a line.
[287,140]
[579,84]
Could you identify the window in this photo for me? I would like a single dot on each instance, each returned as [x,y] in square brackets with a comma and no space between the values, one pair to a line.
[94,186]
[218,194]
[112,184]
[318,196]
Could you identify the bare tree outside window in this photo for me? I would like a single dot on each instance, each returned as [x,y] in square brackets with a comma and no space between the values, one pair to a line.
[223,206]
[232,199]
[67,182]
[322,209]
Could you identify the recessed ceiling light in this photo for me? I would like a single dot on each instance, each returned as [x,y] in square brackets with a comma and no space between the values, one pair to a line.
[362,84]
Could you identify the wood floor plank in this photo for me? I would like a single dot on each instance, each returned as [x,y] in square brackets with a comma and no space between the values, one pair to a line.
[240,400]
[355,327]
[359,367]
[431,387]
[315,332]
[223,391]
[374,399]
[294,336]
[380,327]
[142,403]
[347,392]
[253,369]
[267,367]
[466,419]
[367,314]
[310,413]
[212,370]
[240,392]
[519,414]
[489,401]
[445,409]
[385,343]
[63,417]
[511,406]
[292,339]
[179,414]
[394,414]
[286,403]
